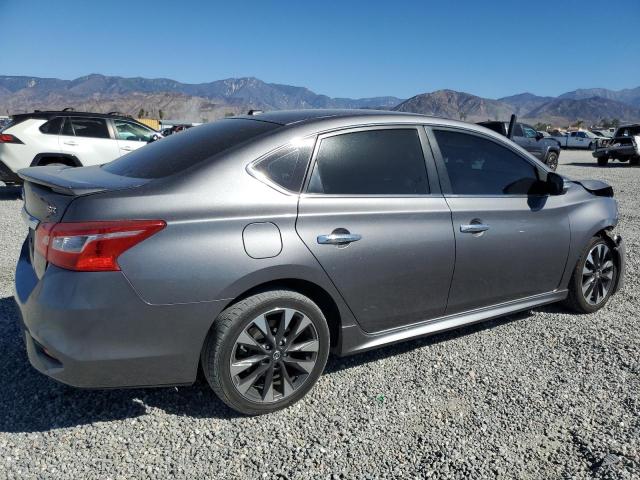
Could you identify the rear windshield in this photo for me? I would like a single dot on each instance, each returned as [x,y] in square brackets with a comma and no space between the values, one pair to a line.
[629,131]
[185,149]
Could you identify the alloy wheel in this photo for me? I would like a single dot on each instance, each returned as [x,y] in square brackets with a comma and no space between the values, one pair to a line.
[597,274]
[274,355]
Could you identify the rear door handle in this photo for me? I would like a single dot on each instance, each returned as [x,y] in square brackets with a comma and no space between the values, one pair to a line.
[69,142]
[128,149]
[338,238]
[474,228]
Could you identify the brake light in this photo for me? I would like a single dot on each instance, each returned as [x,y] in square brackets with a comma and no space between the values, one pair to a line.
[92,246]
[8,138]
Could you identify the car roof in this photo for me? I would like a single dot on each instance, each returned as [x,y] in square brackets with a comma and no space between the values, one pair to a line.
[47,114]
[290,117]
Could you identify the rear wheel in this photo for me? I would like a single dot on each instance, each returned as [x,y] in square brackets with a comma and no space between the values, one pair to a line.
[552,160]
[266,352]
[603,161]
[634,161]
[594,277]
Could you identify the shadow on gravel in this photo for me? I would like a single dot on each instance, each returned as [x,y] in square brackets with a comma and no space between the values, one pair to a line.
[594,164]
[10,193]
[32,402]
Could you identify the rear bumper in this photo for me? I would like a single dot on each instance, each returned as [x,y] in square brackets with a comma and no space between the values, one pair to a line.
[7,175]
[92,330]
[625,152]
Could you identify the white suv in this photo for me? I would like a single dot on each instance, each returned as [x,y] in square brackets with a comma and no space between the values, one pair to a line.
[69,138]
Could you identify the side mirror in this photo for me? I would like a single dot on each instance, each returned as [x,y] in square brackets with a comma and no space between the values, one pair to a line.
[539,136]
[555,184]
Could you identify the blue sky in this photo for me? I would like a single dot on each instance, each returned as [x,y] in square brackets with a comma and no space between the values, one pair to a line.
[348,48]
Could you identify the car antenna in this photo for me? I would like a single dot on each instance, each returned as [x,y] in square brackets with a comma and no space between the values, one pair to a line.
[512,123]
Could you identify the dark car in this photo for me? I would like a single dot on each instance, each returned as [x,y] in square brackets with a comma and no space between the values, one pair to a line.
[253,246]
[543,148]
[624,146]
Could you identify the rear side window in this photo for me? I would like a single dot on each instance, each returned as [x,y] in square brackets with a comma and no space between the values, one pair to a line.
[373,162]
[287,165]
[479,166]
[177,153]
[53,126]
[89,127]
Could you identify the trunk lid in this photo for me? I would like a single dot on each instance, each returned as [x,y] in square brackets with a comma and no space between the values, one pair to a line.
[48,192]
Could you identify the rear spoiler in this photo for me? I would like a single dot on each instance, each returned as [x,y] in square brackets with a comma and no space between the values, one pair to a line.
[78,181]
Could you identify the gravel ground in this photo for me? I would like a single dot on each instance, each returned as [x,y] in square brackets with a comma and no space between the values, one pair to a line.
[543,394]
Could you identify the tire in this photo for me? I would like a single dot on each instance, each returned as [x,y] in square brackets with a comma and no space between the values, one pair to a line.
[590,301]
[591,146]
[635,161]
[552,160]
[293,367]
[603,161]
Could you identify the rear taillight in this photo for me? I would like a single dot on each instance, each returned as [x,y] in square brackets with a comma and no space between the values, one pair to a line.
[8,138]
[91,246]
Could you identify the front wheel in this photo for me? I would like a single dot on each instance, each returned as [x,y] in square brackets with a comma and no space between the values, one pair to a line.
[552,161]
[266,352]
[594,277]
[603,161]
[634,161]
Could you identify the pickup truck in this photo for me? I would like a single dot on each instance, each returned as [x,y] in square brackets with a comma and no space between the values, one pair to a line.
[543,148]
[624,146]
[580,139]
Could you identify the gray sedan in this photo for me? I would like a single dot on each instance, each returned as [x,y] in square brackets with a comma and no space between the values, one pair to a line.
[253,246]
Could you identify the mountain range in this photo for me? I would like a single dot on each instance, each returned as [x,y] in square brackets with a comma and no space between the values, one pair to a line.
[212,100]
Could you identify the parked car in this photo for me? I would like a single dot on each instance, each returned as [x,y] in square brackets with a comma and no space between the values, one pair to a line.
[624,146]
[254,246]
[579,139]
[602,133]
[545,149]
[67,138]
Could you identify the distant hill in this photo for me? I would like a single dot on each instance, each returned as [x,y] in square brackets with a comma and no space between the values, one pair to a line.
[209,101]
[458,105]
[28,93]
[523,103]
[629,96]
[591,110]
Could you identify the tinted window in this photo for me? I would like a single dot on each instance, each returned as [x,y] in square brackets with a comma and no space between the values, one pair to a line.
[287,165]
[132,131]
[179,152]
[478,166]
[53,126]
[90,127]
[374,162]
[67,129]
[517,130]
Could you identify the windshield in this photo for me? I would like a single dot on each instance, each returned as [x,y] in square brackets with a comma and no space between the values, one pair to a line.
[185,149]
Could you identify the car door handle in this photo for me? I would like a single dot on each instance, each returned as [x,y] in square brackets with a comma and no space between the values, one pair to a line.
[128,149]
[69,142]
[474,228]
[338,238]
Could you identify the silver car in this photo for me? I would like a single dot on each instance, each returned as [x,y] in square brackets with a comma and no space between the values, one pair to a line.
[253,246]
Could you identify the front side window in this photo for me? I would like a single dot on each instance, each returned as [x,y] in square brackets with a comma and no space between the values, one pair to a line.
[132,131]
[479,166]
[529,132]
[287,165]
[89,127]
[372,162]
